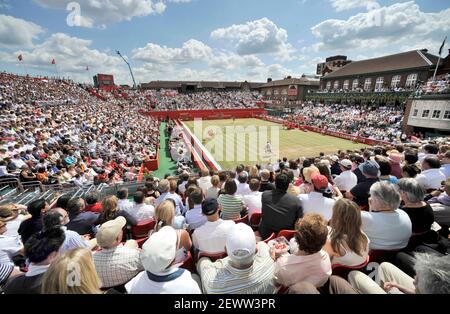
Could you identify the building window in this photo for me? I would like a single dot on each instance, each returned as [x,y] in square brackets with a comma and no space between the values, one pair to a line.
[436,114]
[379,83]
[276,92]
[411,80]
[328,85]
[355,84]
[368,84]
[269,92]
[336,85]
[415,112]
[284,91]
[447,114]
[425,113]
[396,81]
[346,83]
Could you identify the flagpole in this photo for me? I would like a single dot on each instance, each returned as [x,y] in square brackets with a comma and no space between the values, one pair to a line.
[439,59]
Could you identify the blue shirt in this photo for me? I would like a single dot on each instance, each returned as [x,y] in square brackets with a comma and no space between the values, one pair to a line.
[179,204]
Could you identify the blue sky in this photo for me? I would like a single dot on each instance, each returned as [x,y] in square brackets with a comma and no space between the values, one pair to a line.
[211,39]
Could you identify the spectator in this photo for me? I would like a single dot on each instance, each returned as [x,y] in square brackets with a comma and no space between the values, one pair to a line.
[92,203]
[161,275]
[248,269]
[168,191]
[140,210]
[347,244]
[33,225]
[211,236]
[194,217]
[165,215]
[253,199]
[111,211]
[41,249]
[387,227]
[410,171]
[310,263]
[445,168]
[116,263]
[395,159]
[12,216]
[419,212]
[360,192]
[385,170]
[266,185]
[204,182]
[123,203]
[213,191]
[431,176]
[231,203]
[80,221]
[85,281]
[58,217]
[440,202]
[9,246]
[432,277]
[316,202]
[307,172]
[242,186]
[7,272]
[346,180]
[280,210]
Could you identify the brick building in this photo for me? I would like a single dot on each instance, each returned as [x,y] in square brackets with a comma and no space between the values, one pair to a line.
[289,89]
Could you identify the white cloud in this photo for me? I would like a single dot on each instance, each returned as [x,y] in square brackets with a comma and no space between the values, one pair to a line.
[72,56]
[101,13]
[401,24]
[192,50]
[257,37]
[343,5]
[15,32]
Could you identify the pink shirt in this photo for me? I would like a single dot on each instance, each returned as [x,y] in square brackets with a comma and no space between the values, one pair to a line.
[315,269]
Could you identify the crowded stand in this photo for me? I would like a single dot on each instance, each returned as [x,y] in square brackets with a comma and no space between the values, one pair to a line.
[369,121]
[303,226]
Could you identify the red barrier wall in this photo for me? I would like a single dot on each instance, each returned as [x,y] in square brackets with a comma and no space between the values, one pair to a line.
[208,114]
[198,162]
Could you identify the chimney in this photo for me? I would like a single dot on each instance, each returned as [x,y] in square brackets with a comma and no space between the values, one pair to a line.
[269,80]
[289,77]
[424,50]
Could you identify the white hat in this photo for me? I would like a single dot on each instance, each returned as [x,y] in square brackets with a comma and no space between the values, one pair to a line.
[241,241]
[109,231]
[334,158]
[159,251]
[346,163]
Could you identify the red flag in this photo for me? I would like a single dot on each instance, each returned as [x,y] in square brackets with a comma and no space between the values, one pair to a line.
[53,61]
[20,57]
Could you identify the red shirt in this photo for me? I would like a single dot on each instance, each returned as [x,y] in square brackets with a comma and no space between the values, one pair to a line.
[96,208]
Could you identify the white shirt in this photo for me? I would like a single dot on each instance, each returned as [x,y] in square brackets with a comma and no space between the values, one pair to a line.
[431,178]
[243,189]
[346,180]
[212,236]
[445,169]
[315,202]
[184,284]
[204,183]
[125,205]
[212,192]
[142,212]
[195,217]
[253,202]
[9,246]
[387,230]
[12,226]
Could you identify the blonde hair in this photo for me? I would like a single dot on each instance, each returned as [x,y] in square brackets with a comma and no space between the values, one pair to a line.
[77,263]
[164,214]
[215,180]
[109,207]
[253,172]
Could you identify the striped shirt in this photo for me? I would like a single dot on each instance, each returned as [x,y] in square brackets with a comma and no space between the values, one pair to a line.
[231,206]
[221,278]
[5,272]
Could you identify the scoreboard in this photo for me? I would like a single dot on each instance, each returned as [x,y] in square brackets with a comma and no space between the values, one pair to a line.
[103,80]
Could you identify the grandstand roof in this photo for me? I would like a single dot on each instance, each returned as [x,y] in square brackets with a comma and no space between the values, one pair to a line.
[400,61]
[292,81]
[198,84]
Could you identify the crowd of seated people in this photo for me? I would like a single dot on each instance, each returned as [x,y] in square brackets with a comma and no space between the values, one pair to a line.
[314,216]
[379,123]
[47,138]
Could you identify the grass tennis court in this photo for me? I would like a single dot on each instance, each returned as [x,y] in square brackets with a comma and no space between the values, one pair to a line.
[244,141]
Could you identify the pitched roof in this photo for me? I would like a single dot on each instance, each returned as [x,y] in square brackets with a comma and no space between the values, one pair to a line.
[400,61]
[198,84]
[292,81]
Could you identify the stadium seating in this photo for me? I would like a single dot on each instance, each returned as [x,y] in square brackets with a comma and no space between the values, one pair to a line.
[142,229]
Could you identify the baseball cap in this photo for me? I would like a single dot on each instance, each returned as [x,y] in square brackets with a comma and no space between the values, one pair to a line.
[334,158]
[346,163]
[370,168]
[241,241]
[109,231]
[159,251]
[210,206]
[319,181]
